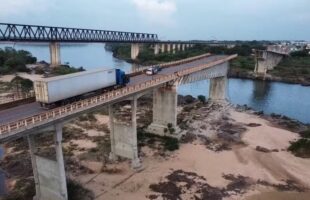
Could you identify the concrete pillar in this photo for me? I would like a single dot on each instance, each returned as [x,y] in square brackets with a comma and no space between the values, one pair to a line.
[49,175]
[168,48]
[162,48]
[123,136]
[156,49]
[164,111]
[134,51]
[55,54]
[183,47]
[173,48]
[266,60]
[112,155]
[187,46]
[218,89]
[178,47]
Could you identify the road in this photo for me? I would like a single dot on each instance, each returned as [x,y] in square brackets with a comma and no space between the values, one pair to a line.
[23,111]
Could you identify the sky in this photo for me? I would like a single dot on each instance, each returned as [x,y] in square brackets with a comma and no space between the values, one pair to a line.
[171,19]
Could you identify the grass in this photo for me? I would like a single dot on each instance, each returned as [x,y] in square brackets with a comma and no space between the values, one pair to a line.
[243,63]
[293,67]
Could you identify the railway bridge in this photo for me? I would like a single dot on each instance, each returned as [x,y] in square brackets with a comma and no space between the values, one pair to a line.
[56,35]
[30,121]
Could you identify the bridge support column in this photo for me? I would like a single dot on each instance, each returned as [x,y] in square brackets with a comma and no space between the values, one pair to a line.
[183,47]
[49,175]
[134,51]
[265,60]
[123,136]
[173,48]
[156,49]
[187,46]
[164,112]
[55,54]
[218,89]
[162,48]
[168,48]
[178,47]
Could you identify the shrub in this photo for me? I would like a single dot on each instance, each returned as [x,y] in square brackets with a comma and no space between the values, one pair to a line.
[300,148]
[202,98]
[305,134]
[171,144]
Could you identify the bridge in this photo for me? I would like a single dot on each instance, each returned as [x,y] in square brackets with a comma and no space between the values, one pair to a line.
[267,59]
[56,35]
[30,121]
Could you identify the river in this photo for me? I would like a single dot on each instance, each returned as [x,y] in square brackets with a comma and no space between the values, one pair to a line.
[270,97]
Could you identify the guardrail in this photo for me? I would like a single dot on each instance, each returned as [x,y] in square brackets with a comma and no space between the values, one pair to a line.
[61,112]
[172,63]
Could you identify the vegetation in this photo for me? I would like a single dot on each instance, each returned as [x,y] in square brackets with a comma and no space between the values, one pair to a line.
[22,84]
[24,189]
[171,144]
[202,98]
[243,64]
[12,61]
[65,69]
[301,147]
[294,68]
[147,57]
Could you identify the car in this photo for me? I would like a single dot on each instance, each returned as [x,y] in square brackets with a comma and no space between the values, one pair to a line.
[153,70]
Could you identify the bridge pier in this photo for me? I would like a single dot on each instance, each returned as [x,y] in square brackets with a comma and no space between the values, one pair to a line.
[173,48]
[49,174]
[134,51]
[266,60]
[156,49]
[164,112]
[168,48]
[55,54]
[218,89]
[123,136]
[178,47]
[183,47]
[162,48]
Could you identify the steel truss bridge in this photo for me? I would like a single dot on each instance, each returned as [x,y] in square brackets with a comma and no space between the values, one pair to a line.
[34,33]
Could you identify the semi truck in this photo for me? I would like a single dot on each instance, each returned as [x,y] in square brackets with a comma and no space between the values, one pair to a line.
[61,90]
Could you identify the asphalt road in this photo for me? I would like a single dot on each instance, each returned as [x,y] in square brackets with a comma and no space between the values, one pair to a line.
[31,109]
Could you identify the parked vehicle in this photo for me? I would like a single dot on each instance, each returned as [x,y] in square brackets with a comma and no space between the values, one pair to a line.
[153,70]
[64,89]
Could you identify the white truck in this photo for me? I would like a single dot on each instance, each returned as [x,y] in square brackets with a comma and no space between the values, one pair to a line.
[67,88]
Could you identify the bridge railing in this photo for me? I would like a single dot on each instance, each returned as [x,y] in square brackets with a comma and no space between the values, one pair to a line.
[172,63]
[101,99]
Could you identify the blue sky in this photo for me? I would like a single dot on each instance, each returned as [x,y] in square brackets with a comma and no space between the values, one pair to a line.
[171,19]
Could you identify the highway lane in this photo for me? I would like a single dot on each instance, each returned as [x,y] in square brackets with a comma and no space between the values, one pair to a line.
[31,109]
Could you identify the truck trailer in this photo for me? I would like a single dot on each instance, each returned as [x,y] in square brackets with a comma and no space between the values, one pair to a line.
[60,90]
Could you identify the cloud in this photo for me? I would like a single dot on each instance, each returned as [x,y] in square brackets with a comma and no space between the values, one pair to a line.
[10,8]
[156,11]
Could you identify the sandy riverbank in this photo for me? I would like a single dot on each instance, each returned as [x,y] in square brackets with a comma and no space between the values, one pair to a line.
[224,154]
[250,172]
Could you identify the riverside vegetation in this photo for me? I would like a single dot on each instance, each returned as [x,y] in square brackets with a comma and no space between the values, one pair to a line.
[292,69]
